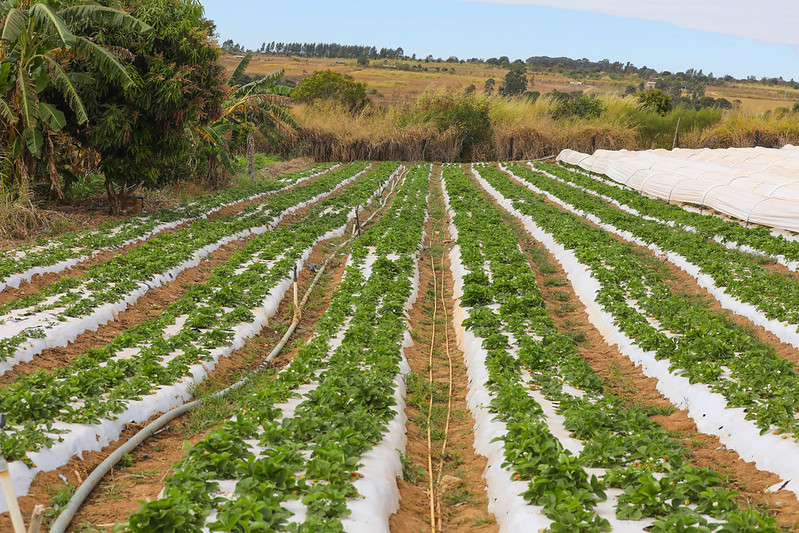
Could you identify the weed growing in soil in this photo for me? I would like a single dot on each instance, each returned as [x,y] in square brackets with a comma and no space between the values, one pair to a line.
[411,472]
[59,498]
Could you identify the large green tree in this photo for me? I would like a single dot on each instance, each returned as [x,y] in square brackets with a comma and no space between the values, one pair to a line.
[142,134]
[42,54]
[327,85]
[655,100]
[515,81]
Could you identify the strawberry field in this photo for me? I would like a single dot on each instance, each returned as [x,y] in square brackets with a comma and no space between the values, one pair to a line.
[487,347]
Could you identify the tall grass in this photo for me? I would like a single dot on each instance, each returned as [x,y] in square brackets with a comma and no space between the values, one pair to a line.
[525,129]
[773,130]
[331,133]
[522,128]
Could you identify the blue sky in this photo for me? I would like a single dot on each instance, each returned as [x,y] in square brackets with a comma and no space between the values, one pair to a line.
[719,36]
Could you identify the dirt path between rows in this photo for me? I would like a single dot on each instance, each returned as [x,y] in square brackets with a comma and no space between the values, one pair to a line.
[460,497]
[766,263]
[119,494]
[41,281]
[686,286]
[460,502]
[147,307]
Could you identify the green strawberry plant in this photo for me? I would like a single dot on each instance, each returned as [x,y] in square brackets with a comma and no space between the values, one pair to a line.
[313,456]
[614,436]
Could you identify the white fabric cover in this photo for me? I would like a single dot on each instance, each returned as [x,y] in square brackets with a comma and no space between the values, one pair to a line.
[755,185]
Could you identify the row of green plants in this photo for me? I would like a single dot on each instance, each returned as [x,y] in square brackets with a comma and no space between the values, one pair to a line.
[114,280]
[312,456]
[708,225]
[774,294]
[704,345]
[507,312]
[101,383]
[82,243]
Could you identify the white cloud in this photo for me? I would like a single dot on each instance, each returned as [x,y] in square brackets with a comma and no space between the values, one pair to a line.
[768,21]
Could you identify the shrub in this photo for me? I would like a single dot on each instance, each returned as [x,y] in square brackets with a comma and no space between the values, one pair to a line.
[331,86]
[656,100]
[582,106]
[469,117]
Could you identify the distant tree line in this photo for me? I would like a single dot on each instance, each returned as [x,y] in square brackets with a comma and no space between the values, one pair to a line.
[692,80]
[337,50]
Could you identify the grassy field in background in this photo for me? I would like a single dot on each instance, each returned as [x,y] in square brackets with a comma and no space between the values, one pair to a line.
[395,85]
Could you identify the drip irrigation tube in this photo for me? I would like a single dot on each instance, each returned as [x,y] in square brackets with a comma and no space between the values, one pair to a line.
[298,309]
[75,503]
[449,393]
[430,474]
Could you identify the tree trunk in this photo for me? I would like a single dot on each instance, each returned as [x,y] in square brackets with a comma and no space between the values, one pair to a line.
[211,176]
[251,156]
[116,199]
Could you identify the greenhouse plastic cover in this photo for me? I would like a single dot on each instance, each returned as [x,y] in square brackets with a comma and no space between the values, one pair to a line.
[755,185]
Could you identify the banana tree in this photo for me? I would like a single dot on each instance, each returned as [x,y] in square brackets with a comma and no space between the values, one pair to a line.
[38,87]
[260,105]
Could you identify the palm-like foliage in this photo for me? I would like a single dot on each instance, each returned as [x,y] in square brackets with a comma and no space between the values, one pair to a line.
[37,86]
[259,105]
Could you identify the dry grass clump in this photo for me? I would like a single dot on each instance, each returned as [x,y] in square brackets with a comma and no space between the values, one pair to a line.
[277,168]
[534,134]
[522,128]
[517,111]
[590,136]
[538,141]
[773,130]
[525,141]
[331,133]
[409,144]
[21,221]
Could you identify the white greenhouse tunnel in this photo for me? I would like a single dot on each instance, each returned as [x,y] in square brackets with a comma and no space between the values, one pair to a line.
[754,185]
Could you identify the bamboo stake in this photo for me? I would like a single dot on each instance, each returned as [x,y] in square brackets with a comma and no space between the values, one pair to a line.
[676,134]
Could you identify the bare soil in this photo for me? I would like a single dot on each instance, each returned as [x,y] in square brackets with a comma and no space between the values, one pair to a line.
[147,307]
[40,281]
[145,479]
[460,503]
[686,286]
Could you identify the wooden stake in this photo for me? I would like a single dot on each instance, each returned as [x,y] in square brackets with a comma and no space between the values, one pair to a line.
[36,519]
[11,498]
[676,135]
[251,156]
